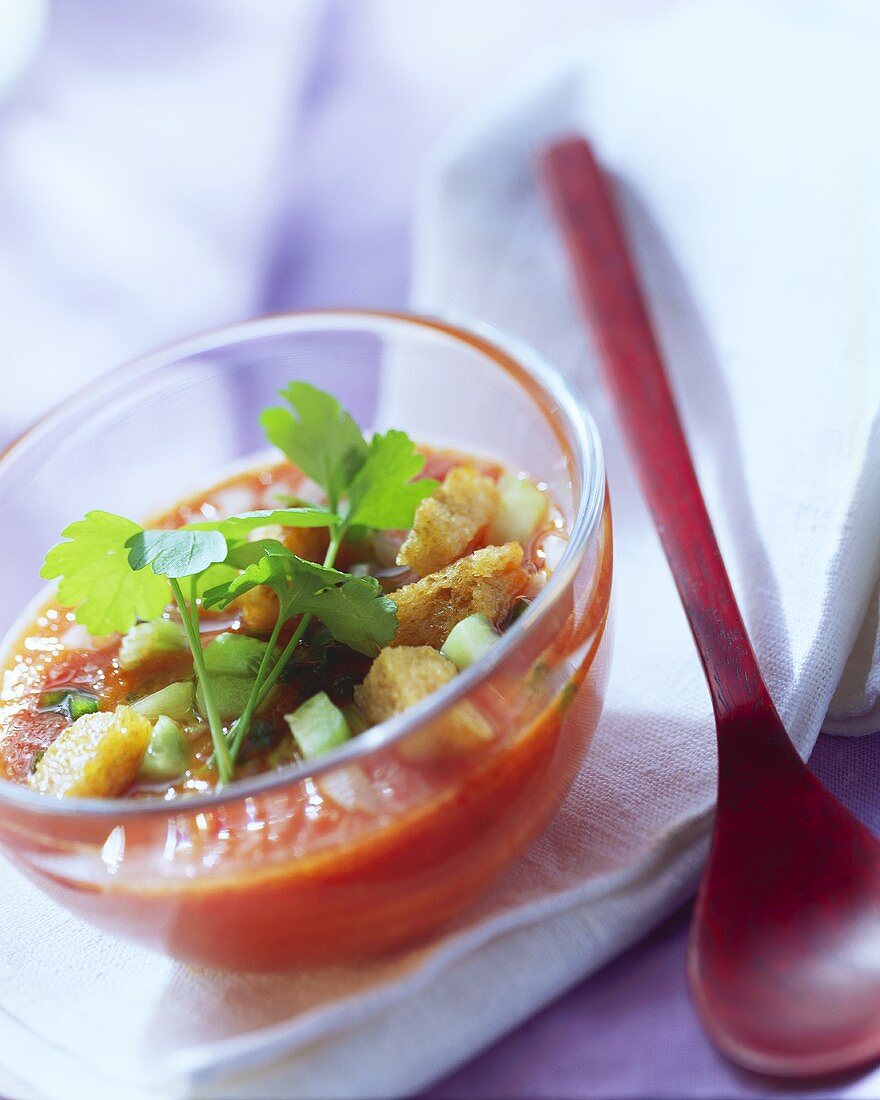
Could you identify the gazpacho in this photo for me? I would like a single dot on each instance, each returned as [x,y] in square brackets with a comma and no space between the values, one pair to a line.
[360,577]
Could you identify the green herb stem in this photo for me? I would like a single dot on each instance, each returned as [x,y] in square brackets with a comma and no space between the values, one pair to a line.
[295,639]
[241,726]
[190,625]
[264,683]
[329,559]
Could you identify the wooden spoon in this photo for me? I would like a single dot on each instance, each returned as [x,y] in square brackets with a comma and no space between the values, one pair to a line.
[784,956]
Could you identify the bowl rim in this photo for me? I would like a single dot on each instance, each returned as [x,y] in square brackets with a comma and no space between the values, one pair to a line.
[545,386]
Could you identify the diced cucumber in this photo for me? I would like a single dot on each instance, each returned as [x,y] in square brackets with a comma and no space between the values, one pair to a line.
[168,752]
[318,726]
[174,701]
[235,654]
[232,661]
[231,694]
[145,640]
[70,702]
[355,719]
[521,508]
[469,640]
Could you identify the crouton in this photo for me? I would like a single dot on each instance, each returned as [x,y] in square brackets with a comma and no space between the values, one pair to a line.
[400,678]
[259,607]
[447,523]
[97,757]
[309,543]
[486,581]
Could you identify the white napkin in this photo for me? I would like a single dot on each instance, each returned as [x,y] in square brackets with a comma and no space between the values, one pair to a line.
[753,205]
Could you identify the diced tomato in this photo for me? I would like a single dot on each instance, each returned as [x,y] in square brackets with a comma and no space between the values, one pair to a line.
[439,462]
[26,734]
[82,668]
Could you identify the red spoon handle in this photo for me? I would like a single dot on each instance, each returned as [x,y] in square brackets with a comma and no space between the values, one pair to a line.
[608,291]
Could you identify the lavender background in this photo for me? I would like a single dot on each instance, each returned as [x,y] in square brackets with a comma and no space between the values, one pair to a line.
[297,168]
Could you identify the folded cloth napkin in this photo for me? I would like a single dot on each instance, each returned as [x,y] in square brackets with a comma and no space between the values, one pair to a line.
[752,202]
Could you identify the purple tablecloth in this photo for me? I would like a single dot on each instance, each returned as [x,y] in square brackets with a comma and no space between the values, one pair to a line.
[630,1031]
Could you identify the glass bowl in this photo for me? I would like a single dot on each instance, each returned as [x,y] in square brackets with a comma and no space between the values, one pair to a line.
[382,841]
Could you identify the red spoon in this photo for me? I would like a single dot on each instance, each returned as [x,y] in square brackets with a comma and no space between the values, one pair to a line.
[784,955]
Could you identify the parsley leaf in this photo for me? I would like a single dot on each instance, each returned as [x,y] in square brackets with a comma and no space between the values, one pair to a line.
[383,494]
[236,527]
[240,555]
[97,579]
[354,610]
[176,553]
[318,436]
[293,580]
[358,614]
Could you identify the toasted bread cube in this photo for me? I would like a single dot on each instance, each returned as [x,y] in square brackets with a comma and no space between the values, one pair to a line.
[398,679]
[97,757]
[259,607]
[309,543]
[447,523]
[486,582]
[461,731]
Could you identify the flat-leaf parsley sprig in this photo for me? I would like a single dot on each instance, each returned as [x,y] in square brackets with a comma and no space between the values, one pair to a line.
[368,485]
[114,572]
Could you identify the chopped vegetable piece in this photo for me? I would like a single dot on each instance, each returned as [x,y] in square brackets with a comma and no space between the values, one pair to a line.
[168,752]
[174,701]
[70,702]
[236,654]
[486,581]
[356,721]
[97,757]
[231,694]
[318,726]
[447,523]
[469,641]
[146,640]
[402,677]
[232,661]
[521,508]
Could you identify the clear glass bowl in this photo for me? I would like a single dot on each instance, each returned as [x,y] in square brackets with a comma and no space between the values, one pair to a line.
[382,841]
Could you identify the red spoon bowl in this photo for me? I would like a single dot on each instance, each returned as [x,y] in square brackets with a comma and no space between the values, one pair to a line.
[784,956]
